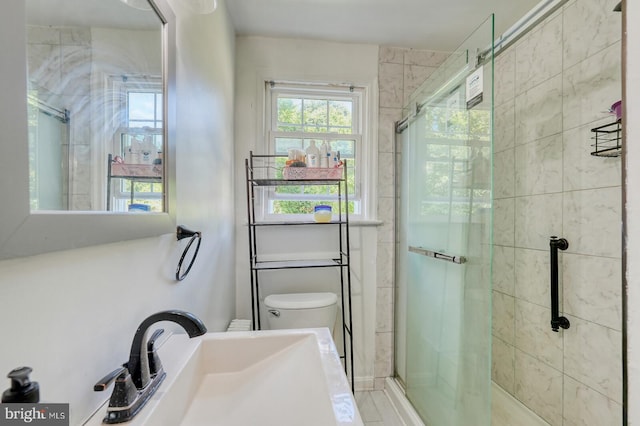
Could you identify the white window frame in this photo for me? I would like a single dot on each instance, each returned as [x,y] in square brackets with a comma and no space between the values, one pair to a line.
[364,151]
[121,88]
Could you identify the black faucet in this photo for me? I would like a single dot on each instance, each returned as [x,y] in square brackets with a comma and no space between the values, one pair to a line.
[138,379]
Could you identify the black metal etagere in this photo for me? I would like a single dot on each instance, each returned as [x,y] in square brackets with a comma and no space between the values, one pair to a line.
[263,173]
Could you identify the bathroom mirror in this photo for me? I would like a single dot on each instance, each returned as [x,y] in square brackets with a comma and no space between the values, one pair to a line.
[88,90]
[95,105]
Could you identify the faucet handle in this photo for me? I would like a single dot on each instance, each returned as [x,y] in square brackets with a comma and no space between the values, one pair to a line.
[155,366]
[124,393]
[106,380]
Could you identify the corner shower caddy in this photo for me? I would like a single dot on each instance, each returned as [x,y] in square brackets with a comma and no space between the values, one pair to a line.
[262,173]
[608,140]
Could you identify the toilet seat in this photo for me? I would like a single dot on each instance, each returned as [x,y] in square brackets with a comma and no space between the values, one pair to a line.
[300,300]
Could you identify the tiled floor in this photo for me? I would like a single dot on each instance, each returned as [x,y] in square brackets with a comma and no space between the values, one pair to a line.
[376,409]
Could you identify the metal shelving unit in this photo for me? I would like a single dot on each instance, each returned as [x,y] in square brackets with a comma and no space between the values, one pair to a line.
[263,173]
[133,173]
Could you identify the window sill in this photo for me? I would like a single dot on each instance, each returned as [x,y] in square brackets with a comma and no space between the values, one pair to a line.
[366,222]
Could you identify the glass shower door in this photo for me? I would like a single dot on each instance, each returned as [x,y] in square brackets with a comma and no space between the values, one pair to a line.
[444,251]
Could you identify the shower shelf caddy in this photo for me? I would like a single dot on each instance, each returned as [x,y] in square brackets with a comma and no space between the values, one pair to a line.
[608,140]
[263,174]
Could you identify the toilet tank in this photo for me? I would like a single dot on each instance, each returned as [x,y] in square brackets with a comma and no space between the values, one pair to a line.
[301,310]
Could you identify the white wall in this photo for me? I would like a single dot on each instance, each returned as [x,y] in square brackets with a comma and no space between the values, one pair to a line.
[71,315]
[631,242]
[260,59]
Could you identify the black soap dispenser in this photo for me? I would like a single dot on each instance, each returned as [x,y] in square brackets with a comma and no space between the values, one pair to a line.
[22,389]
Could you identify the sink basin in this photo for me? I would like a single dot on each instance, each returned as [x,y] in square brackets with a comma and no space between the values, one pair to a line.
[279,377]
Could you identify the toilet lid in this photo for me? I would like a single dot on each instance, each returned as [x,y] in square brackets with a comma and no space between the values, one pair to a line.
[300,300]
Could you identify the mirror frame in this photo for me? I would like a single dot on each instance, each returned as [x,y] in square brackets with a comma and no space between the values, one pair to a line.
[26,233]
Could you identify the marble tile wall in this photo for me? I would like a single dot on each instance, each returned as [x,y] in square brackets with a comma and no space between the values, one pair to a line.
[400,72]
[552,87]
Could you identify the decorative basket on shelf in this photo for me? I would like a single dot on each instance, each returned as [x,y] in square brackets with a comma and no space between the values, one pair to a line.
[312,173]
[136,170]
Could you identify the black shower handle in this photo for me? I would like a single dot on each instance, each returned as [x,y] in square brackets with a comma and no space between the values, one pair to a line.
[556,244]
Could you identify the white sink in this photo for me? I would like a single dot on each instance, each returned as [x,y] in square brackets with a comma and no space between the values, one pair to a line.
[280,377]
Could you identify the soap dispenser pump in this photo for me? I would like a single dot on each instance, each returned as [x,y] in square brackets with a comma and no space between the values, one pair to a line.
[22,389]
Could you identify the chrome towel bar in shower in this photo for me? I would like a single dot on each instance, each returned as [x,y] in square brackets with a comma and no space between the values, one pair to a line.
[437,255]
[556,244]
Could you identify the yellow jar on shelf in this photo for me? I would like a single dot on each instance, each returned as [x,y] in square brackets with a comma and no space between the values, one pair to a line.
[322,213]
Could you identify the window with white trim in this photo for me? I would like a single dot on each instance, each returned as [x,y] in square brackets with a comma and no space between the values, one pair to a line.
[296,115]
[141,123]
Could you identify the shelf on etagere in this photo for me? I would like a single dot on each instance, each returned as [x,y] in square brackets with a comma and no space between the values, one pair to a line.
[310,222]
[295,264]
[608,140]
[285,182]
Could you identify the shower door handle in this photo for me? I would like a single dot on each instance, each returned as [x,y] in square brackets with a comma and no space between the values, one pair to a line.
[437,255]
[557,321]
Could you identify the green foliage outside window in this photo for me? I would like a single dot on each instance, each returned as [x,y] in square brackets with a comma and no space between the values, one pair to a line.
[326,119]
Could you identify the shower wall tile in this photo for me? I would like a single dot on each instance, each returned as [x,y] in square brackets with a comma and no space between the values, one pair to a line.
[425,58]
[386,182]
[504,270]
[386,128]
[503,174]
[414,76]
[503,222]
[592,289]
[386,209]
[504,129]
[384,309]
[391,54]
[532,276]
[80,202]
[591,87]
[75,70]
[551,88]
[383,366]
[43,35]
[80,169]
[75,36]
[503,317]
[537,218]
[589,27]
[539,111]
[592,221]
[504,77]
[539,56]
[390,85]
[503,364]
[585,171]
[44,66]
[593,356]
[539,387]
[384,264]
[534,335]
[585,407]
[538,166]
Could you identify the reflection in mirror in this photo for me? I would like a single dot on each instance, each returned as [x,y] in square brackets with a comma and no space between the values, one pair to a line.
[96,109]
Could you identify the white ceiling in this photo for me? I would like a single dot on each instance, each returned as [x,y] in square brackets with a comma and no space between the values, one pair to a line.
[426,24]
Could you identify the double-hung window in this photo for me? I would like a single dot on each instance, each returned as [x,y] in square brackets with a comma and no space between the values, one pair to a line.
[141,124]
[296,116]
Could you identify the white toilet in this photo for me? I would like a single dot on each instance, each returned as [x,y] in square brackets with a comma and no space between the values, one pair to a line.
[301,310]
